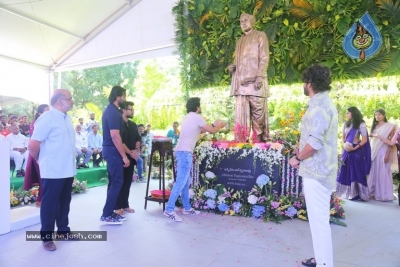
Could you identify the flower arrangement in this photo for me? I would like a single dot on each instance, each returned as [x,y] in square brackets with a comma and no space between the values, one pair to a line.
[78,186]
[287,130]
[260,202]
[21,197]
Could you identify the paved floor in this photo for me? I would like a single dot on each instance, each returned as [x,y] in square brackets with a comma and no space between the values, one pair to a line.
[372,238]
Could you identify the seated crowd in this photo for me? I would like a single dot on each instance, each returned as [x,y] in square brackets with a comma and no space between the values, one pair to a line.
[16,129]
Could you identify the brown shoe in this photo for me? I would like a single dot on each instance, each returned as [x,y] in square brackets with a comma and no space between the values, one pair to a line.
[49,246]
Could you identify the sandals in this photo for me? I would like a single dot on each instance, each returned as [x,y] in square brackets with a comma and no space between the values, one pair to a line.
[309,262]
[119,212]
[129,210]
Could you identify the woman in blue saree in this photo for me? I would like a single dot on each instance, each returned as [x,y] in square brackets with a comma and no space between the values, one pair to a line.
[356,158]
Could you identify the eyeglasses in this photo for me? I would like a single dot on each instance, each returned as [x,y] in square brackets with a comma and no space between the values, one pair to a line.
[69,99]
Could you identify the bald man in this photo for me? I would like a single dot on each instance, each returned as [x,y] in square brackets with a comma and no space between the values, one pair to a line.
[54,149]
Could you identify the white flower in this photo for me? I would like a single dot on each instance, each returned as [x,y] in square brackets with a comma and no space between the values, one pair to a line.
[210,175]
[191,193]
[22,203]
[221,199]
[252,199]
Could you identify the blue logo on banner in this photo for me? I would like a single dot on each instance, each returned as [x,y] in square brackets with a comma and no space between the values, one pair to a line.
[363,39]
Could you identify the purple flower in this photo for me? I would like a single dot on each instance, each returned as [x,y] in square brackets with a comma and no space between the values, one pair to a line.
[223,207]
[262,180]
[274,204]
[257,211]
[291,211]
[210,193]
[210,203]
[236,207]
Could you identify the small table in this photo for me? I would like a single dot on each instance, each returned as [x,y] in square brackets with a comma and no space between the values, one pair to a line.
[162,145]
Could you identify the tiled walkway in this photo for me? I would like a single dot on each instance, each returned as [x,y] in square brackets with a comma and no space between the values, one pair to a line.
[147,238]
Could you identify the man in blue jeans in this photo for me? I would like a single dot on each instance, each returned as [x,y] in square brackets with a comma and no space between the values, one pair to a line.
[114,154]
[192,125]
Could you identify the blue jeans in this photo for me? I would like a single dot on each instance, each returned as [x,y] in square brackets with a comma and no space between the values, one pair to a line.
[139,167]
[115,170]
[181,187]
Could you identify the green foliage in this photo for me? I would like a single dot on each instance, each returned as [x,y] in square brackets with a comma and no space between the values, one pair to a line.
[94,85]
[300,32]
[158,97]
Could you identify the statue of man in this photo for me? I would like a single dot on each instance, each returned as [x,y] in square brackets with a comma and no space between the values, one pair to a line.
[249,82]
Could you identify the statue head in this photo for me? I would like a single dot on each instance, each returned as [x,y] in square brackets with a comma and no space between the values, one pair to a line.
[247,22]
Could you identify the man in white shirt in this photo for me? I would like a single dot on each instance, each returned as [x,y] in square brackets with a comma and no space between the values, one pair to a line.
[19,149]
[81,144]
[91,122]
[95,143]
[192,125]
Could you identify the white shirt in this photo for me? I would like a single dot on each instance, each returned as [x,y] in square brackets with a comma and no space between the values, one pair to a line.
[57,148]
[80,140]
[190,131]
[95,141]
[17,141]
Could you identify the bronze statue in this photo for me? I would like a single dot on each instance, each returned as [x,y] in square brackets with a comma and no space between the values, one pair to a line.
[249,82]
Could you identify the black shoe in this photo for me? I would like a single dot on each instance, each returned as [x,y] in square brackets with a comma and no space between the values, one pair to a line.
[78,166]
[19,174]
[95,165]
[85,166]
[23,172]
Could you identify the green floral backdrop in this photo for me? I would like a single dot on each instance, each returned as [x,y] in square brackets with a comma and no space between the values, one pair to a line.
[300,33]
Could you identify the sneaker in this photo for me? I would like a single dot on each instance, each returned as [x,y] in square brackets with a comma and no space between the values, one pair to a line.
[173,216]
[190,212]
[110,220]
[84,166]
[19,174]
[142,181]
[121,218]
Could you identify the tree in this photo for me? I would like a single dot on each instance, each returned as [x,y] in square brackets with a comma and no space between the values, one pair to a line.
[93,85]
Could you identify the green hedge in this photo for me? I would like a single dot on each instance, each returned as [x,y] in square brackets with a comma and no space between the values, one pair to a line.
[300,33]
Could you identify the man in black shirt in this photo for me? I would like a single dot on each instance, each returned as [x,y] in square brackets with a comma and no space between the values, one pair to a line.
[131,143]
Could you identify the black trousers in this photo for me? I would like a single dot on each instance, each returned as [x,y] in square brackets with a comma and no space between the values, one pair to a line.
[122,202]
[54,208]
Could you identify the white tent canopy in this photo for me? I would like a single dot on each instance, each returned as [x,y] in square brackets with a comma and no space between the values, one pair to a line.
[38,37]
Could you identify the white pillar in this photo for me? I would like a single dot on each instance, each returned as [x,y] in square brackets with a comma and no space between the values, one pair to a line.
[5,188]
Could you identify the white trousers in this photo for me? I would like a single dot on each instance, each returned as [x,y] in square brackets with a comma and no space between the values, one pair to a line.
[19,159]
[318,209]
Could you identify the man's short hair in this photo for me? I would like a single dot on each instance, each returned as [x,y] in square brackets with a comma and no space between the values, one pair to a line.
[192,104]
[140,125]
[126,104]
[319,77]
[3,116]
[116,91]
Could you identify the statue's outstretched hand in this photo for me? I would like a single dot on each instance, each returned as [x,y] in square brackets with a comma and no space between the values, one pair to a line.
[232,68]
[259,81]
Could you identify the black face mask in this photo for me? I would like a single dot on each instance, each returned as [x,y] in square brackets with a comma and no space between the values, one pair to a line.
[144,133]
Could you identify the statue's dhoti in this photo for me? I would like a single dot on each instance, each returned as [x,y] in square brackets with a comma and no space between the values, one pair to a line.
[251,111]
